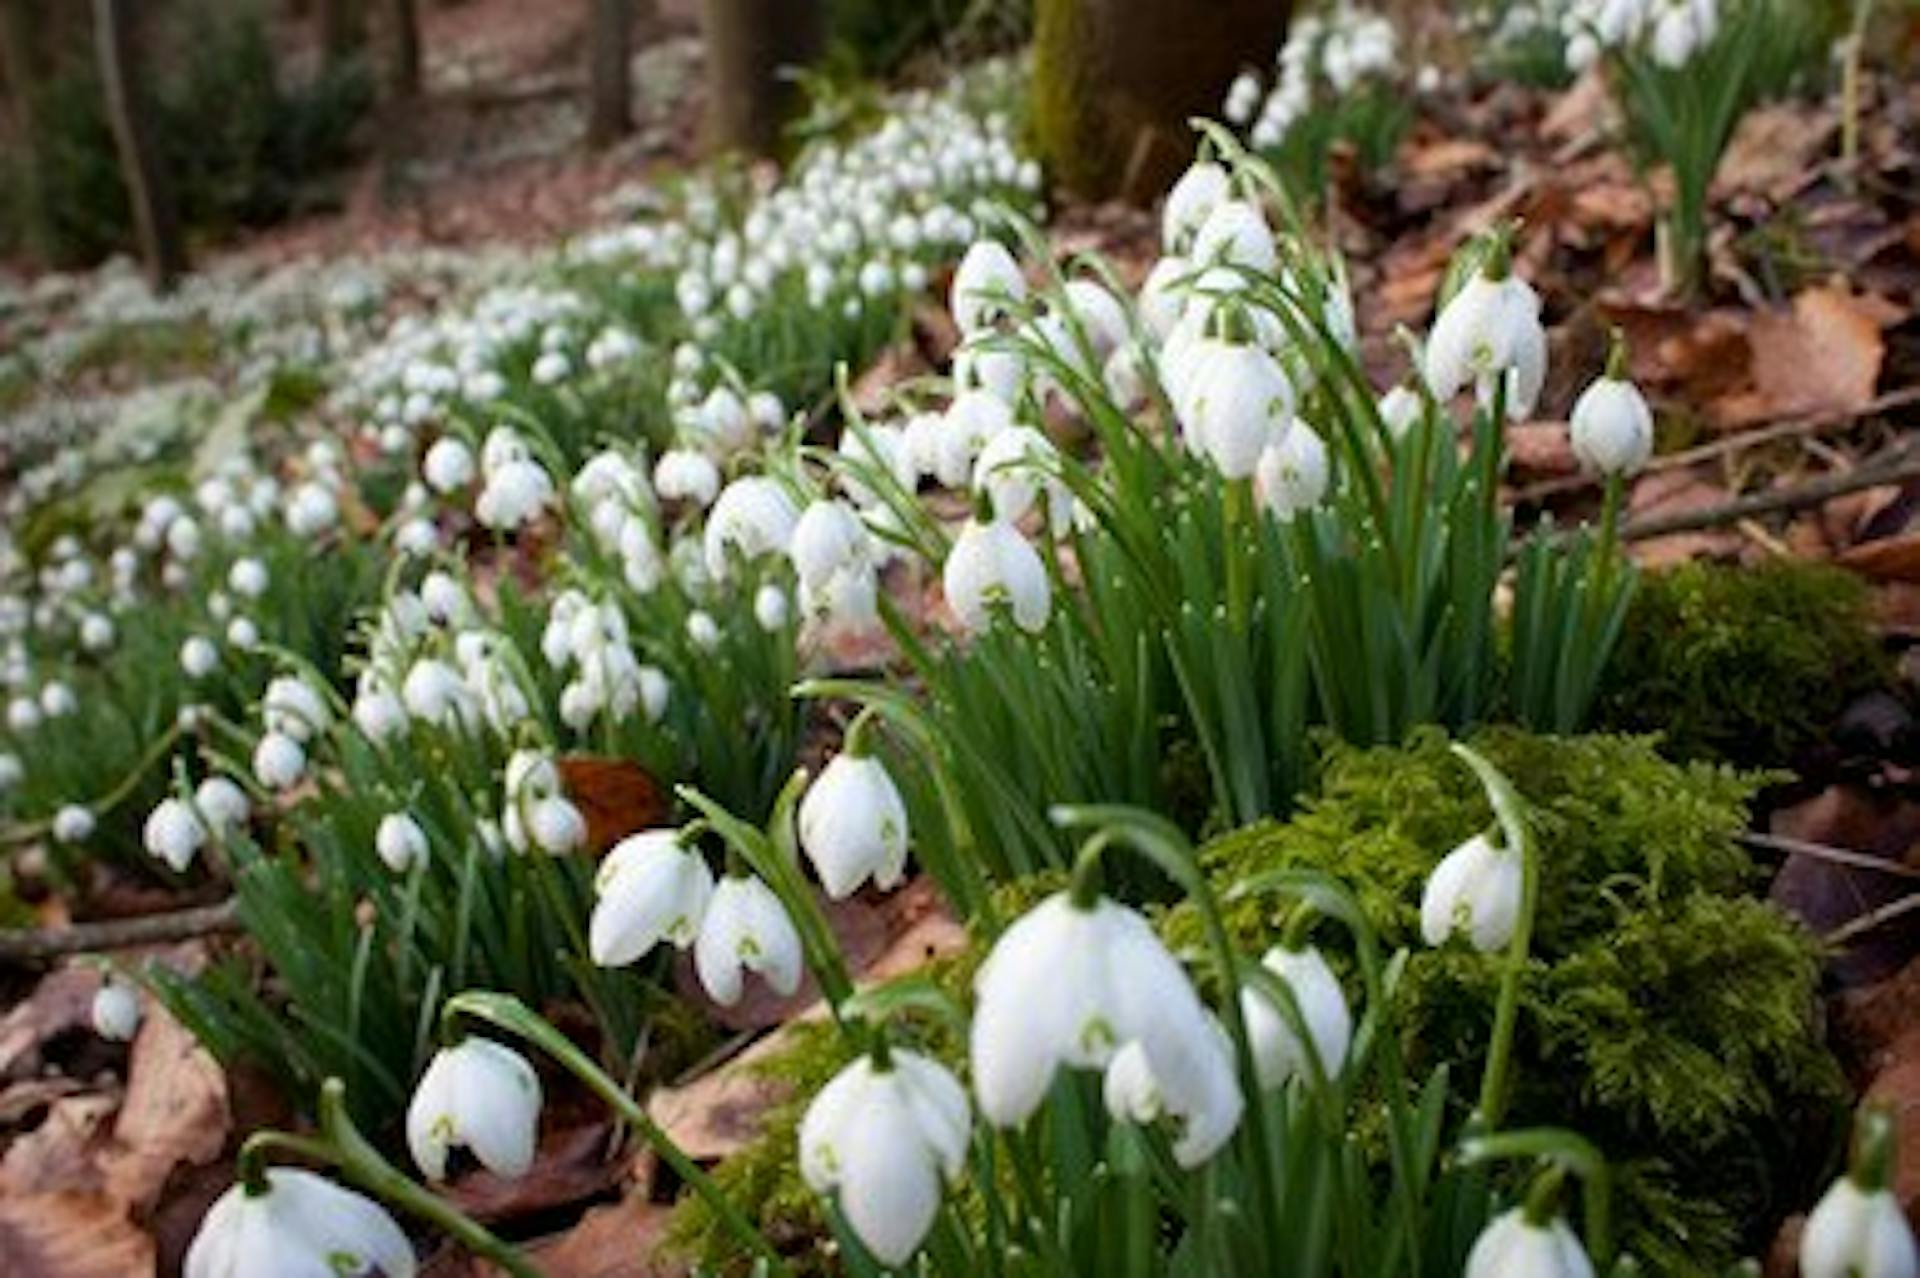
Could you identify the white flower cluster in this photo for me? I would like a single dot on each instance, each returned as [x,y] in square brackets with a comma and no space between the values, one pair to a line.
[1339,50]
[1672,31]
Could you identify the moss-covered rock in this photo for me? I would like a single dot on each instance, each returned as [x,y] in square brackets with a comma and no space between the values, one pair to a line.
[1746,665]
[1669,1015]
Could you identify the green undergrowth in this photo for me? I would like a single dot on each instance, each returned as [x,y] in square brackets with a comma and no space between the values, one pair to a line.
[1668,1014]
[1749,665]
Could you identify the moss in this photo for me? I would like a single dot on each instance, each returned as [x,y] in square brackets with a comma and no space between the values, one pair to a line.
[1747,665]
[1668,1014]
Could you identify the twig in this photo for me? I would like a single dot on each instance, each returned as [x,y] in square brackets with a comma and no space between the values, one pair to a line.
[41,944]
[1791,429]
[1901,462]
[1824,852]
[1873,919]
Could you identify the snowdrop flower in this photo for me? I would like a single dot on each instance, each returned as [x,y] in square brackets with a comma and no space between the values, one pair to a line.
[400,842]
[753,517]
[1200,190]
[1401,410]
[1292,474]
[683,474]
[480,1094]
[853,824]
[1612,427]
[1236,234]
[243,634]
[1133,1095]
[1516,1246]
[247,578]
[829,538]
[703,632]
[292,708]
[278,761]
[992,565]
[73,823]
[379,714]
[650,888]
[302,1224]
[1235,402]
[1163,295]
[448,466]
[770,607]
[1490,330]
[1858,1229]
[96,632]
[1015,467]
[1071,984]
[538,814]
[174,833]
[746,929]
[1278,1054]
[1243,98]
[514,494]
[883,1134]
[57,700]
[973,418]
[986,283]
[312,510]
[1475,889]
[222,806]
[116,1011]
[550,368]
[23,715]
[198,657]
[433,692]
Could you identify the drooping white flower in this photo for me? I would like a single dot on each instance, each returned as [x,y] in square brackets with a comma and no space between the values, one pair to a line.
[222,806]
[198,657]
[1514,1247]
[248,578]
[985,284]
[1293,473]
[1069,985]
[1234,401]
[302,1226]
[1200,190]
[294,709]
[971,420]
[771,607]
[853,825]
[116,1011]
[883,1137]
[279,761]
[1856,1232]
[1475,889]
[1236,234]
[650,888]
[479,1094]
[684,474]
[753,518]
[1278,1054]
[514,494]
[746,929]
[1134,1095]
[1612,427]
[1490,331]
[448,466]
[991,565]
[1401,409]
[400,842]
[174,833]
[828,539]
[73,823]
[537,813]
[1015,467]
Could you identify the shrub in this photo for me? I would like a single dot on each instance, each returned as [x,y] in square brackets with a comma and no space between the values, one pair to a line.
[1746,665]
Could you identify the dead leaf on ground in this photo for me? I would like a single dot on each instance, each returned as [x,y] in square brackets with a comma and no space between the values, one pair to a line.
[1828,894]
[614,1241]
[1888,559]
[616,796]
[569,1166]
[175,1111]
[1823,355]
[1776,150]
[71,1236]
[63,1154]
[61,1002]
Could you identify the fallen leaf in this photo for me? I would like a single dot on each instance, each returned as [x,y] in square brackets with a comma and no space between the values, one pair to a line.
[175,1111]
[71,1236]
[63,1154]
[1775,151]
[718,1113]
[1828,894]
[614,1241]
[61,1002]
[1888,559]
[617,797]
[570,1165]
[1823,355]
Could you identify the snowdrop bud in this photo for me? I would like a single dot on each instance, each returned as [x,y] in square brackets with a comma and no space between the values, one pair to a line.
[173,833]
[247,578]
[96,632]
[116,1011]
[1400,410]
[703,632]
[882,1135]
[302,1224]
[400,841]
[992,565]
[379,714]
[1200,190]
[1514,1246]
[1612,427]
[312,510]
[198,657]
[1278,1054]
[1235,401]
[853,825]
[746,929]
[479,1094]
[1475,889]
[57,700]
[448,465]
[243,634]
[1292,474]
[986,283]
[73,823]
[278,761]
[770,607]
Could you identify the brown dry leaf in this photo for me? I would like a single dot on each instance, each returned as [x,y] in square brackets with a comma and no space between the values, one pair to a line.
[569,1166]
[872,390]
[616,796]
[63,1154]
[1538,449]
[1828,894]
[1822,356]
[1775,151]
[614,1241]
[62,1001]
[862,932]
[175,1111]
[718,1113]
[1888,559]
[1580,110]
[1445,157]
[71,1236]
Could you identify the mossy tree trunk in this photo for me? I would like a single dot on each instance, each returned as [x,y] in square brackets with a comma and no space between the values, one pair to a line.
[750,46]
[20,63]
[609,75]
[122,73]
[1115,83]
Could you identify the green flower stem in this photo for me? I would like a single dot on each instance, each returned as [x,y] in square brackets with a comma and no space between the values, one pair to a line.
[1565,1152]
[1874,1143]
[341,1145]
[1237,514]
[1511,812]
[26,832]
[508,1013]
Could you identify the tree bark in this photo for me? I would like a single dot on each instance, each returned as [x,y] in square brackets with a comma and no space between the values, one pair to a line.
[1115,83]
[20,62]
[749,45]
[609,74]
[155,220]
[404,74]
[343,30]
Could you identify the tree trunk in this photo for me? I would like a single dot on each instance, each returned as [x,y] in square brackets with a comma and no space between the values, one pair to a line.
[404,74]
[1116,81]
[609,74]
[155,220]
[749,43]
[20,63]
[343,30]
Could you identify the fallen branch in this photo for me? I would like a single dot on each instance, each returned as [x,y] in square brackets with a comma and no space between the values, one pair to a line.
[43,944]
[1895,465]
[1824,852]
[1872,919]
[1794,428]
